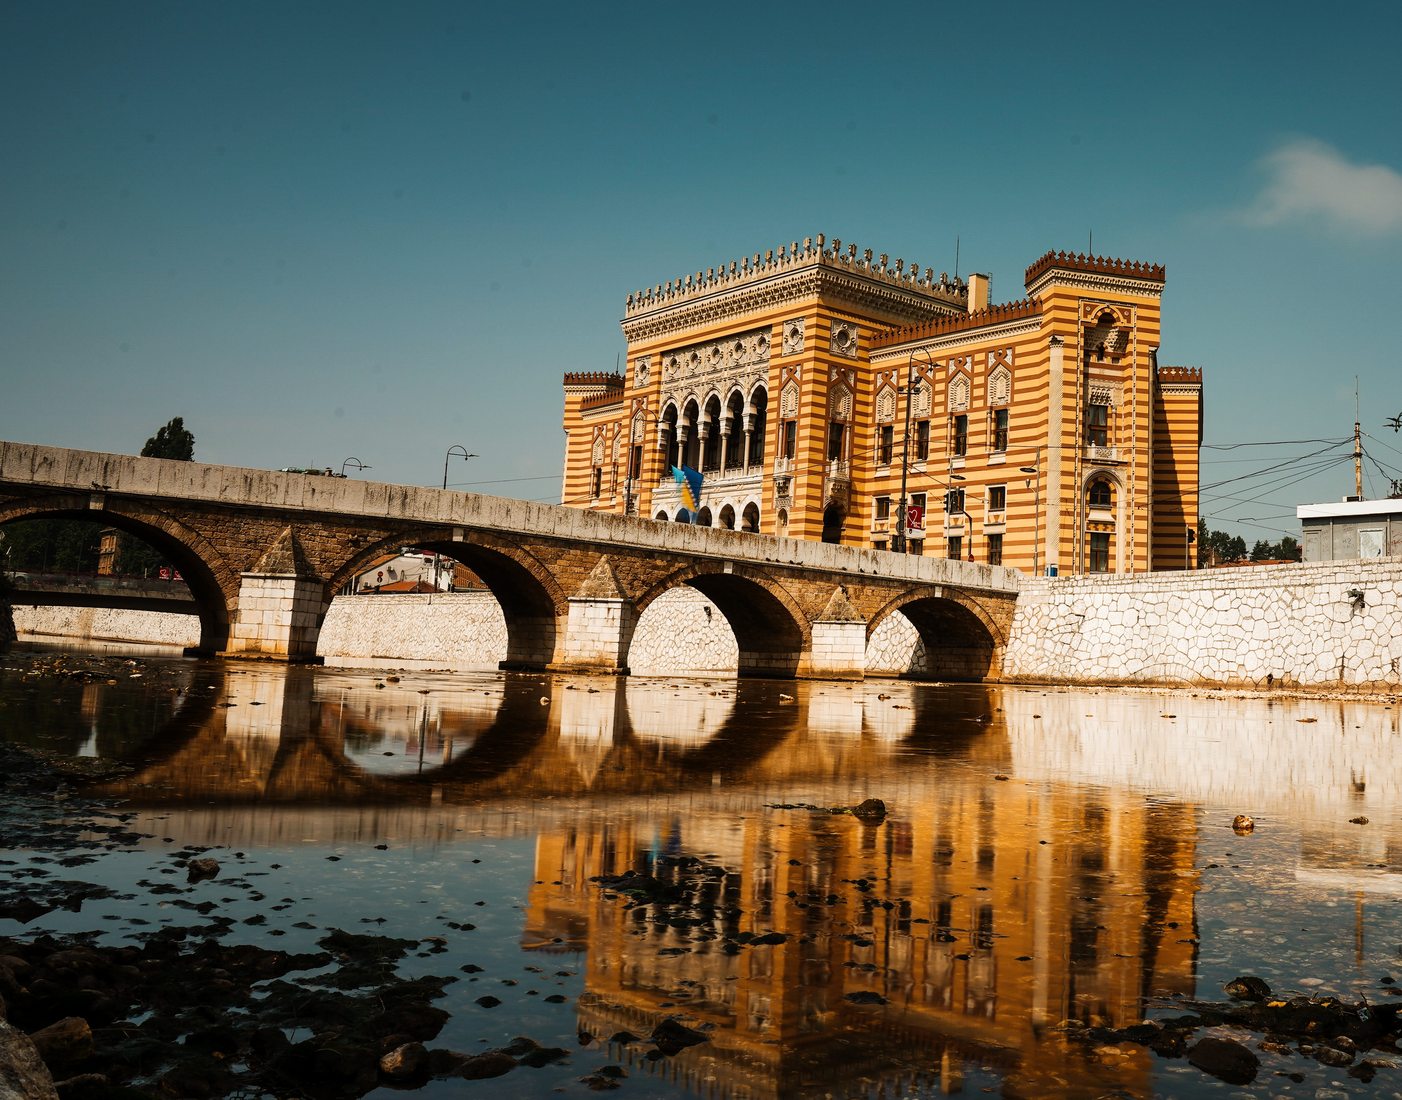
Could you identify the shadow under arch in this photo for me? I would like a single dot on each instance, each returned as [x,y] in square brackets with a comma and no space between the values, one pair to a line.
[771,631]
[961,641]
[212,583]
[532,602]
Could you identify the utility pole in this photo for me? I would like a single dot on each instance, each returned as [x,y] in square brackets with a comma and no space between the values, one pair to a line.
[1357,461]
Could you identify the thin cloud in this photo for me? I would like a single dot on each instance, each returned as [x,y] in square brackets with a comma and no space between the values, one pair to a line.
[1309,181]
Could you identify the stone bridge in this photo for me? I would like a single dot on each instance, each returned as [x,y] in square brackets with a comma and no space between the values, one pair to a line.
[263,553]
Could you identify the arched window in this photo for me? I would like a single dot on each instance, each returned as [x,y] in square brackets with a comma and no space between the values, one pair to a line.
[727,518]
[735,432]
[758,424]
[661,516]
[749,518]
[703,518]
[1100,494]
[710,435]
[839,418]
[690,449]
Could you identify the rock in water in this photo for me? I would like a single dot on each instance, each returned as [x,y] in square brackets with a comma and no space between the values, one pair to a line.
[1247,988]
[199,869]
[872,809]
[405,1061]
[1242,824]
[1225,1059]
[23,1075]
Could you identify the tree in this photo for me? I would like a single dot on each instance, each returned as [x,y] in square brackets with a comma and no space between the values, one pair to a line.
[172,440]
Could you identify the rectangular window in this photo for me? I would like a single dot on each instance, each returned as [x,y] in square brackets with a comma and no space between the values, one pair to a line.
[888,441]
[883,507]
[961,435]
[878,544]
[954,502]
[995,548]
[955,548]
[917,500]
[1100,552]
[790,438]
[922,440]
[1098,425]
[837,434]
[596,482]
[1000,429]
[635,464]
[997,498]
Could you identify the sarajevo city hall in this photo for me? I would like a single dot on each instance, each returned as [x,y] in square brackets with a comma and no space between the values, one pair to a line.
[824,393]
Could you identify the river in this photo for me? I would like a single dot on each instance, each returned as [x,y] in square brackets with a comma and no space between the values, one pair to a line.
[1047,855]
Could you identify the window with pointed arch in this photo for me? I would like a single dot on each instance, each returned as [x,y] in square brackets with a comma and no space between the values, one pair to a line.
[1100,494]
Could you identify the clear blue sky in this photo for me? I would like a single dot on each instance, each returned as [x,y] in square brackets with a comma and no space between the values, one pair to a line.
[318,231]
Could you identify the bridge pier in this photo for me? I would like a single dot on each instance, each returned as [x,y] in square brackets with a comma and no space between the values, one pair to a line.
[598,633]
[838,649]
[599,625]
[279,617]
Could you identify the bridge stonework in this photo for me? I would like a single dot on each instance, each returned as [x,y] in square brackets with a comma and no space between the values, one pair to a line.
[264,552]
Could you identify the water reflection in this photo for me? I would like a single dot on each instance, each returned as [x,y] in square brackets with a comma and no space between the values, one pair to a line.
[1048,854]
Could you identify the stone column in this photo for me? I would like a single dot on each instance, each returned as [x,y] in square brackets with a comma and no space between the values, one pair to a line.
[839,642]
[599,627]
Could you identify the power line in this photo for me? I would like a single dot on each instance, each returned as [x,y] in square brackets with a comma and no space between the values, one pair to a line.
[1270,443]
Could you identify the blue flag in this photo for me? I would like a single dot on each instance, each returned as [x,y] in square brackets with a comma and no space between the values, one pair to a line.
[690,482]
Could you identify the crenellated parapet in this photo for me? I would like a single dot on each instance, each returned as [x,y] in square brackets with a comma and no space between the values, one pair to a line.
[967,322]
[1180,375]
[899,287]
[1102,265]
[594,379]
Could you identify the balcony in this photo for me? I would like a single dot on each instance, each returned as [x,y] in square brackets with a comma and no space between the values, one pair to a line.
[1105,455]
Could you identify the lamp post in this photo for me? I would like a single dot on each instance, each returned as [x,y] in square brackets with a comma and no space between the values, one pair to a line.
[1036,470]
[898,543]
[358,465]
[456,449]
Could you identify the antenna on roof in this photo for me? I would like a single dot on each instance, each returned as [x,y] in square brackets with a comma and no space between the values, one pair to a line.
[1090,242]
[956,258]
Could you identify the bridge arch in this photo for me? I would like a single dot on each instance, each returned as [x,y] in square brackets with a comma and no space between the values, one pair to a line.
[531,600]
[961,639]
[212,582]
[771,630]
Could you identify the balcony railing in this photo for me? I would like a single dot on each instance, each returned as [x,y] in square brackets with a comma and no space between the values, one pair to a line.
[1097,453]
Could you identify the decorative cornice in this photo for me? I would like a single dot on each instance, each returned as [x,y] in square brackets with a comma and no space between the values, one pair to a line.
[595,400]
[1179,375]
[860,282]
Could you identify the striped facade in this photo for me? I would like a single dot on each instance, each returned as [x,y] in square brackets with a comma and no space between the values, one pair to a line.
[817,389]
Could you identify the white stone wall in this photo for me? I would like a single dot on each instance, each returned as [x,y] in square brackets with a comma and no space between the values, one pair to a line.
[1271,626]
[105,624]
[461,630]
[682,631]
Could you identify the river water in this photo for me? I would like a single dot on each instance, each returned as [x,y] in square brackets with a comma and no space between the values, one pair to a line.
[1047,855]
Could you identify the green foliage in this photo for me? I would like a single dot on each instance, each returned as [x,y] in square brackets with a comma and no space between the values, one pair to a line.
[1220,548]
[172,440]
[52,546]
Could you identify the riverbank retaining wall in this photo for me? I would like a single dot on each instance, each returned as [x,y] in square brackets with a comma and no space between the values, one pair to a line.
[1327,625]
[1324,625]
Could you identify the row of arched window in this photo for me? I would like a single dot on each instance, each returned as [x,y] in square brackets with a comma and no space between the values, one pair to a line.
[711,437]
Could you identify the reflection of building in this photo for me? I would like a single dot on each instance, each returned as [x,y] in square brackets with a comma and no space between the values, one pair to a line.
[982,917]
[814,387]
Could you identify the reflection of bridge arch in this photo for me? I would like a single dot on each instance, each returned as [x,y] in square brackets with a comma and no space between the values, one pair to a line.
[961,640]
[212,582]
[531,600]
[771,630]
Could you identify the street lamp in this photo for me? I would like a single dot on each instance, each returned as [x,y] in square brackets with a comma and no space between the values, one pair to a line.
[456,449]
[911,386]
[358,465]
